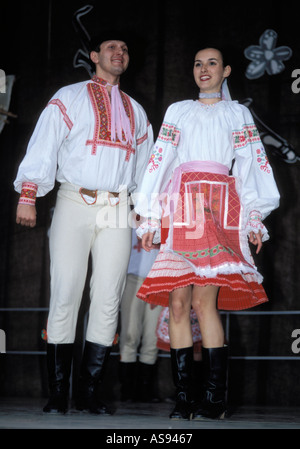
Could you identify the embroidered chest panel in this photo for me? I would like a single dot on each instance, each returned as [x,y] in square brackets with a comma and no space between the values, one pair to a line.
[102,110]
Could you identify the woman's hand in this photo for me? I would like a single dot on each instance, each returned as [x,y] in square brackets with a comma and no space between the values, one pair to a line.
[147,241]
[256,239]
[26,215]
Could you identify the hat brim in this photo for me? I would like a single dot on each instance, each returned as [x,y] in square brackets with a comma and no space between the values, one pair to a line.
[112,35]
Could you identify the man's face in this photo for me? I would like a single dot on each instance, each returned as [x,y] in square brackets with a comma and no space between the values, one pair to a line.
[112,60]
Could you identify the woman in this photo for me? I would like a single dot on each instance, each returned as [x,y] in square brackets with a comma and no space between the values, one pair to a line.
[206,218]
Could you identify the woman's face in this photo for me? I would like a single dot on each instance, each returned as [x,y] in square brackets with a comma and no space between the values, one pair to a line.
[209,72]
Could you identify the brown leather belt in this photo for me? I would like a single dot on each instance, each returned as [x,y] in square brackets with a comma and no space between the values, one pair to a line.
[93,193]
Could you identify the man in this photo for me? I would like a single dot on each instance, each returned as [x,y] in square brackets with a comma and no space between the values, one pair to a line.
[95,141]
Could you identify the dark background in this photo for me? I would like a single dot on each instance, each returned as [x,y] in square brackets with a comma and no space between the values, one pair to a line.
[38,44]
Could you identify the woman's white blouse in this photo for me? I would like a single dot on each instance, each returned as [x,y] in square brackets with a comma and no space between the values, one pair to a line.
[225,133]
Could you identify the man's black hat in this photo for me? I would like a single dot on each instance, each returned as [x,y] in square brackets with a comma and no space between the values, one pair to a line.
[109,35]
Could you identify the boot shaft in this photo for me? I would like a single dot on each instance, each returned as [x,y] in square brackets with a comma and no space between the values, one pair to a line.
[215,368]
[213,405]
[94,361]
[59,362]
[93,366]
[182,366]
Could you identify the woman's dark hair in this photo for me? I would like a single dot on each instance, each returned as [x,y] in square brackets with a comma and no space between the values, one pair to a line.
[224,51]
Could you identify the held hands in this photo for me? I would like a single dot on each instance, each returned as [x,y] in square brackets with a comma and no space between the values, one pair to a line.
[26,215]
[256,239]
[147,241]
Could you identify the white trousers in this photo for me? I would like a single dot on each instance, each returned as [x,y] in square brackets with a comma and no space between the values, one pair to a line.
[138,325]
[79,230]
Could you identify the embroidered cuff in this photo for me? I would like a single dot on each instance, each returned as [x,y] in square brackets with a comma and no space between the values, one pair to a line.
[150,225]
[255,224]
[28,193]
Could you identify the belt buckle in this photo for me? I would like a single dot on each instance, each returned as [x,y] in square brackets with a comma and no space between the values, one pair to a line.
[90,193]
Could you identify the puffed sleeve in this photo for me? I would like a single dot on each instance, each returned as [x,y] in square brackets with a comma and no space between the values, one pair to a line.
[255,180]
[39,164]
[158,174]
[144,145]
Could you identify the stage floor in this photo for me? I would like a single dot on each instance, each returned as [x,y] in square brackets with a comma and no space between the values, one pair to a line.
[27,414]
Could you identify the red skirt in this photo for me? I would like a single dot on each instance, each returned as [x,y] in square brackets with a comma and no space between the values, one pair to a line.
[215,253]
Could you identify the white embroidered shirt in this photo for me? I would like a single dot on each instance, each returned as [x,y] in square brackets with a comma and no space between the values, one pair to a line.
[72,142]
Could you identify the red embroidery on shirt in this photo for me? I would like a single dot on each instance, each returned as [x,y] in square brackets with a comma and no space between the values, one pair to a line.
[142,139]
[63,110]
[101,107]
[249,134]
[28,193]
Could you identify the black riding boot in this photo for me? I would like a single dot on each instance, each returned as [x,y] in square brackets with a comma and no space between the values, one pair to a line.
[215,375]
[182,366]
[93,363]
[198,381]
[59,361]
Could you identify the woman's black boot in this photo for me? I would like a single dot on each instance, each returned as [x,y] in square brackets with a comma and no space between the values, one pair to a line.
[93,363]
[213,405]
[59,361]
[182,366]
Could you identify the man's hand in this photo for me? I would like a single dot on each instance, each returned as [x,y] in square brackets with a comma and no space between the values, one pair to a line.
[256,239]
[26,215]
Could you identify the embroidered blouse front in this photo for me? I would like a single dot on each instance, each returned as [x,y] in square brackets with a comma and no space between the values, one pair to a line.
[223,133]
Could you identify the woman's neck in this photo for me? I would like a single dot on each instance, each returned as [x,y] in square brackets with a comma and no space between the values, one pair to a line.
[210,97]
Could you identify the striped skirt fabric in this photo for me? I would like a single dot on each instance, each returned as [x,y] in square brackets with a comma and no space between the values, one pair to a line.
[218,255]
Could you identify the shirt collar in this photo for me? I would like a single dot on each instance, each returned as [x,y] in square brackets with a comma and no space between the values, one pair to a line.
[100,81]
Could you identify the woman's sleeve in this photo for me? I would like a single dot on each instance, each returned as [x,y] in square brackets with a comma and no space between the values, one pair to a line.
[255,181]
[157,174]
[144,148]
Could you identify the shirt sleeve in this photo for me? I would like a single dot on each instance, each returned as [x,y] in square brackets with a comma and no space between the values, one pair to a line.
[40,161]
[144,146]
[255,180]
[159,169]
